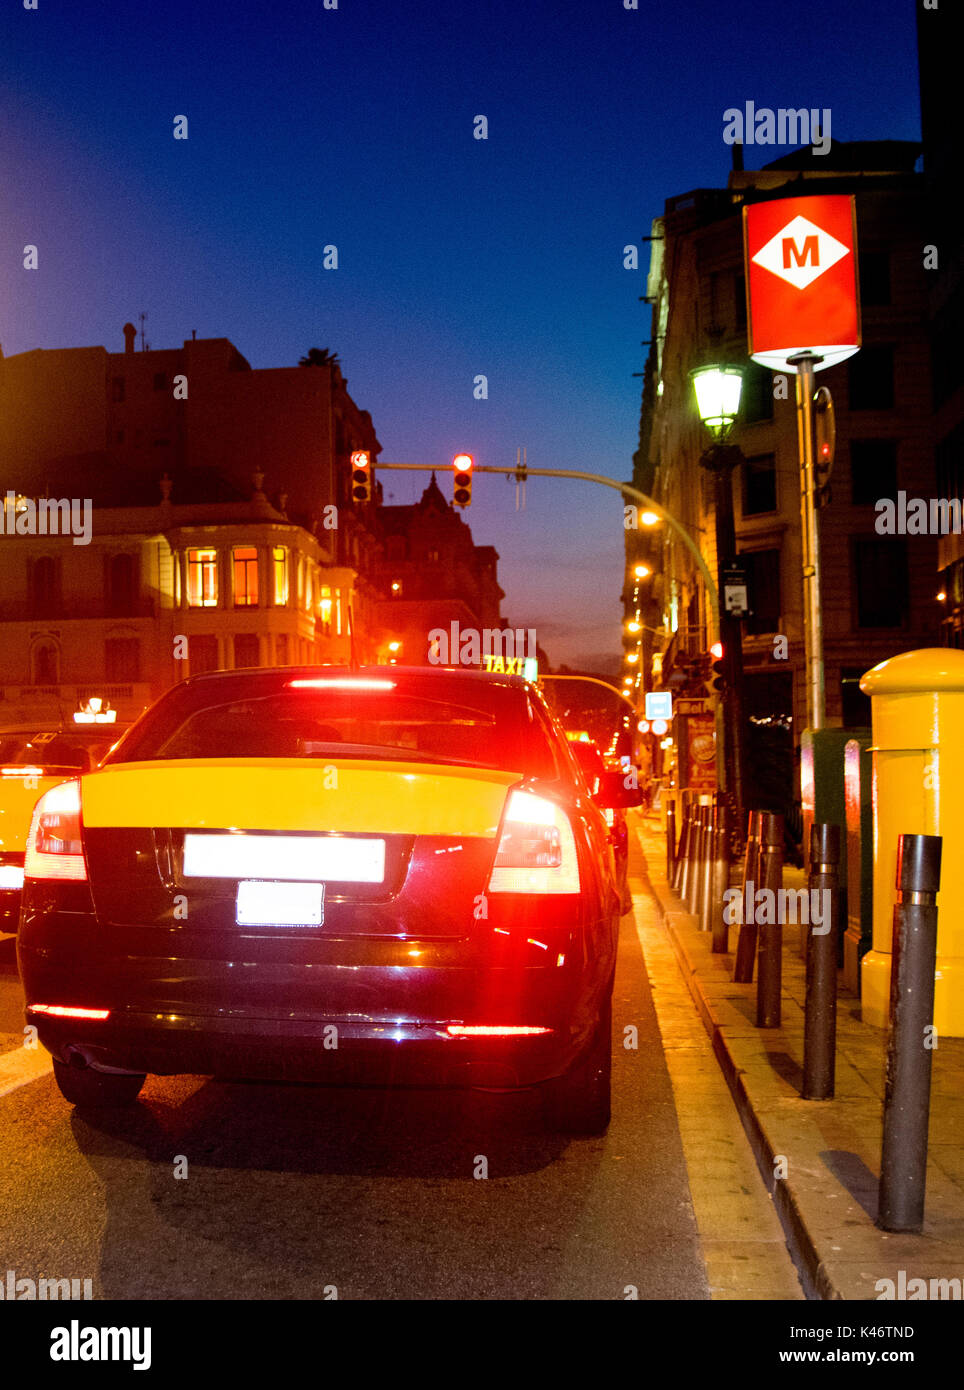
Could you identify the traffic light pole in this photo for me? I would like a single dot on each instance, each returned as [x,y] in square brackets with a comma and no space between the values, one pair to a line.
[641,498]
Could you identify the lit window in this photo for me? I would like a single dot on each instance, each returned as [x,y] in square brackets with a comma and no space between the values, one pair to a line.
[338,612]
[324,608]
[309,587]
[202,578]
[245,576]
[280,557]
[396,588]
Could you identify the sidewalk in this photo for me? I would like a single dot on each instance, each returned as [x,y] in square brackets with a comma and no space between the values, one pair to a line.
[828,1199]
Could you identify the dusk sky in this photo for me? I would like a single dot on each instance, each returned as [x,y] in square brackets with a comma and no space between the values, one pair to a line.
[457,256]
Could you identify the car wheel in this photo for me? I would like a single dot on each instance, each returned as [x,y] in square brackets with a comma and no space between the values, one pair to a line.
[86,1087]
[579,1102]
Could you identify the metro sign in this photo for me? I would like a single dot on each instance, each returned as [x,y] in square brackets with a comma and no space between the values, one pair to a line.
[801,280]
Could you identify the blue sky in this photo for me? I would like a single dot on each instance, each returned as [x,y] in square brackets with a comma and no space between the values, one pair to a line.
[457,256]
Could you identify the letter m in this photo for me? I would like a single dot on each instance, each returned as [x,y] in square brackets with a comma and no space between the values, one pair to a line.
[810,248]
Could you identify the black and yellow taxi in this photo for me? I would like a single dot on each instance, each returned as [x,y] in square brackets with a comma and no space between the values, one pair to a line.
[380,876]
[34,758]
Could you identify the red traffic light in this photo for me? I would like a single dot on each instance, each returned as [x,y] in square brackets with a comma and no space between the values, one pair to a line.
[462,468]
[361,478]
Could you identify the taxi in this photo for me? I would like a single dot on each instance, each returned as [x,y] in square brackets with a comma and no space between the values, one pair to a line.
[32,760]
[388,876]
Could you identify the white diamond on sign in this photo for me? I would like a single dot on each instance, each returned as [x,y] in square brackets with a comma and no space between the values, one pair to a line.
[801,252]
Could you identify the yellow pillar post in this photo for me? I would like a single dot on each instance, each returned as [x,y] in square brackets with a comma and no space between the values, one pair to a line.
[918,769]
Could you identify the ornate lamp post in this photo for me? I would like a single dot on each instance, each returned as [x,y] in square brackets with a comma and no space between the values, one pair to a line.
[718,390]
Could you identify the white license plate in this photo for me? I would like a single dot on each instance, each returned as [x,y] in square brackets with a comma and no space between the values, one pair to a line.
[321,858]
[280,904]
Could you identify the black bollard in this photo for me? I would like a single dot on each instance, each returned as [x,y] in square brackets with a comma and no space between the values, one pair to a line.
[746,941]
[670,840]
[696,890]
[721,882]
[696,843]
[820,1010]
[770,951]
[903,1164]
[707,904]
[686,851]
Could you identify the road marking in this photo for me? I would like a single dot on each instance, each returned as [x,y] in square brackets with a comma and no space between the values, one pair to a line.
[23,1065]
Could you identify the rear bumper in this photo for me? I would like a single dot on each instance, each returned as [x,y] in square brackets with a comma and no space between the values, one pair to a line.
[332,1052]
[340,1012]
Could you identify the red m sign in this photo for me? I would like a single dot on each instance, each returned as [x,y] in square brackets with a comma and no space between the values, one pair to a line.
[810,248]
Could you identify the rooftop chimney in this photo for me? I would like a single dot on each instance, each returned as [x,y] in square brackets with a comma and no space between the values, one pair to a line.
[130,333]
[737,152]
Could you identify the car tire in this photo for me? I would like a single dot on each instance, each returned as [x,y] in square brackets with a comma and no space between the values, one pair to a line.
[579,1101]
[84,1086]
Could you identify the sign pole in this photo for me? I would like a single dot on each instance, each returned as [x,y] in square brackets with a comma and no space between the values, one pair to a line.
[805,362]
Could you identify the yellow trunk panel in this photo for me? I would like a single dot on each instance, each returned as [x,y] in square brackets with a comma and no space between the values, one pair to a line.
[352,797]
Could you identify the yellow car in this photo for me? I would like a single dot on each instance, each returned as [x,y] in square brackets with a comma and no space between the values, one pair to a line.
[387,876]
[32,760]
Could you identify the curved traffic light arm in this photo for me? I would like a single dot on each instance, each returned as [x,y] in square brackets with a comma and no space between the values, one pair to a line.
[648,503]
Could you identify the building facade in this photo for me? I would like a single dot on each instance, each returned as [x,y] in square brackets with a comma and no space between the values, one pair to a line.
[431,574]
[161,593]
[879,594]
[222,528]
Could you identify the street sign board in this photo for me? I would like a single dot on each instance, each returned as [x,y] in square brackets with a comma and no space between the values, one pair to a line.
[735,593]
[687,705]
[800,256]
[659,704]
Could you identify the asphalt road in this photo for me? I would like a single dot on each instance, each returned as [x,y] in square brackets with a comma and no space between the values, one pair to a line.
[292,1190]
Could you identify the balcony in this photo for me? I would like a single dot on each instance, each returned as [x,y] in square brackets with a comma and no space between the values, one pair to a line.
[67,610]
[127,698]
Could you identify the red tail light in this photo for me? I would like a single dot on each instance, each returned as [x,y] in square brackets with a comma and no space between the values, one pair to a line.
[493,1030]
[67,1011]
[537,850]
[54,846]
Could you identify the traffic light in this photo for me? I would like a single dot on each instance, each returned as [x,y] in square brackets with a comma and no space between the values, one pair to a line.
[717,683]
[826,432]
[361,476]
[462,467]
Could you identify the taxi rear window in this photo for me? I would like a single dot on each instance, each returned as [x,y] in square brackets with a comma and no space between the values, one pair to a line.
[51,751]
[288,723]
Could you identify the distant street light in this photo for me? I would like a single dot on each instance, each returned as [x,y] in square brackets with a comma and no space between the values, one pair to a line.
[642,571]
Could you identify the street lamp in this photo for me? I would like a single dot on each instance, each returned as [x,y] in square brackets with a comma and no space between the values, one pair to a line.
[641,571]
[718,389]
